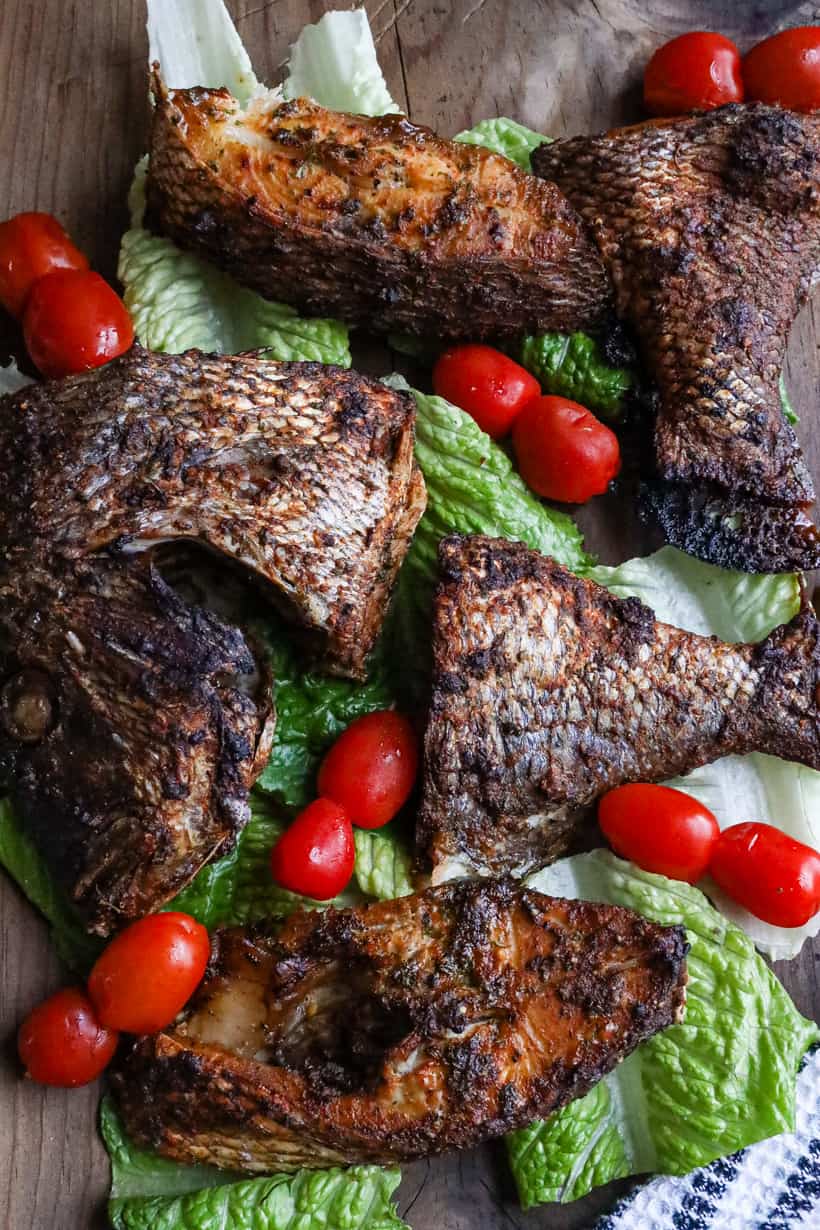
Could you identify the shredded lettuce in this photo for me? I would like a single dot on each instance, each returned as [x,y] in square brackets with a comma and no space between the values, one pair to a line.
[151,1193]
[722,1079]
[335,63]
[734,606]
[504,136]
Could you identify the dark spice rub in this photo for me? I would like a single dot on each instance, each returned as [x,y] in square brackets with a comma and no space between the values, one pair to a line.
[374,220]
[399,1029]
[133,723]
[710,229]
[548,691]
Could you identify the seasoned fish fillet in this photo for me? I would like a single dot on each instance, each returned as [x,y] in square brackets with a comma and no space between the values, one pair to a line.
[549,691]
[710,229]
[399,1029]
[377,221]
[132,722]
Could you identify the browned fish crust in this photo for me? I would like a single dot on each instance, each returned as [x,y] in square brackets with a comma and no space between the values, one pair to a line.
[133,724]
[549,691]
[374,220]
[710,229]
[399,1029]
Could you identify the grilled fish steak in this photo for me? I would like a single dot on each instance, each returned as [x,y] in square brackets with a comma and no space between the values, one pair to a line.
[710,229]
[132,722]
[548,691]
[399,1029]
[377,221]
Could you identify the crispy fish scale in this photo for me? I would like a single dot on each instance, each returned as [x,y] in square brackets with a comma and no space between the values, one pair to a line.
[374,220]
[132,727]
[299,472]
[549,691]
[710,229]
[399,1029]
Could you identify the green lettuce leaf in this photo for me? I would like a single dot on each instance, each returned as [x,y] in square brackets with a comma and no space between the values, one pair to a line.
[722,1079]
[178,301]
[573,365]
[150,1193]
[335,63]
[734,606]
[506,137]
[383,864]
[788,409]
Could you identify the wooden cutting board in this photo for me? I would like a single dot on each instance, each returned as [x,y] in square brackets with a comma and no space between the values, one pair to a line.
[73,113]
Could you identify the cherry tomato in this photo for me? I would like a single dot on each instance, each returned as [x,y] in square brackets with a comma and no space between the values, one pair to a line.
[660,829]
[564,453]
[63,1043]
[74,321]
[32,245]
[149,971]
[770,874]
[785,69]
[371,768]
[694,72]
[315,855]
[488,385]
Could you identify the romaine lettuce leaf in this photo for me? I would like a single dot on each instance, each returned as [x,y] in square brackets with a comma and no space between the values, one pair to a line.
[383,864]
[196,43]
[573,365]
[335,63]
[735,606]
[504,136]
[150,1193]
[722,1079]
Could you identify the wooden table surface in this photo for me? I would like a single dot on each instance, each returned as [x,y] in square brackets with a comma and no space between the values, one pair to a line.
[73,115]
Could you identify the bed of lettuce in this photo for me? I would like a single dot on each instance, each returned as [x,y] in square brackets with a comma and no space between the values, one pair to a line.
[722,1079]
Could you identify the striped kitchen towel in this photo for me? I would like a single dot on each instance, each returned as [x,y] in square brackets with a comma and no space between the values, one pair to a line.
[774,1185]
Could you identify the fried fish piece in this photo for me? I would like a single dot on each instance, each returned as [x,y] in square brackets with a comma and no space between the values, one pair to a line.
[399,1029]
[548,691]
[132,727]
[300,472]
[132,721]
[710,228]
[374,220]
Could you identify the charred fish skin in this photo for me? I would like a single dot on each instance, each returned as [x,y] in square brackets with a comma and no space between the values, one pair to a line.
[710,229]
[400,1029]
[133,723]
[132,727]
[548,691]
[301,473]
[374,220]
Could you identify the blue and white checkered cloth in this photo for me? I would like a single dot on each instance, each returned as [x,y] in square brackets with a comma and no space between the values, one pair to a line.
[774,1185]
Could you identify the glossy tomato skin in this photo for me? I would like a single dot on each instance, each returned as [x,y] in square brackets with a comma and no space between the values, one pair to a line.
[563,452]
[769,873]
[694,72]
[74,321]
[371,768]
[315,856]
[62,1041]
[32,245]
[785,69]
[660,829]
[487,384]
[148,972]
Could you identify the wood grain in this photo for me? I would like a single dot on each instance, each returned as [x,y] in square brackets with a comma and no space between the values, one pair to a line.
[72,124]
